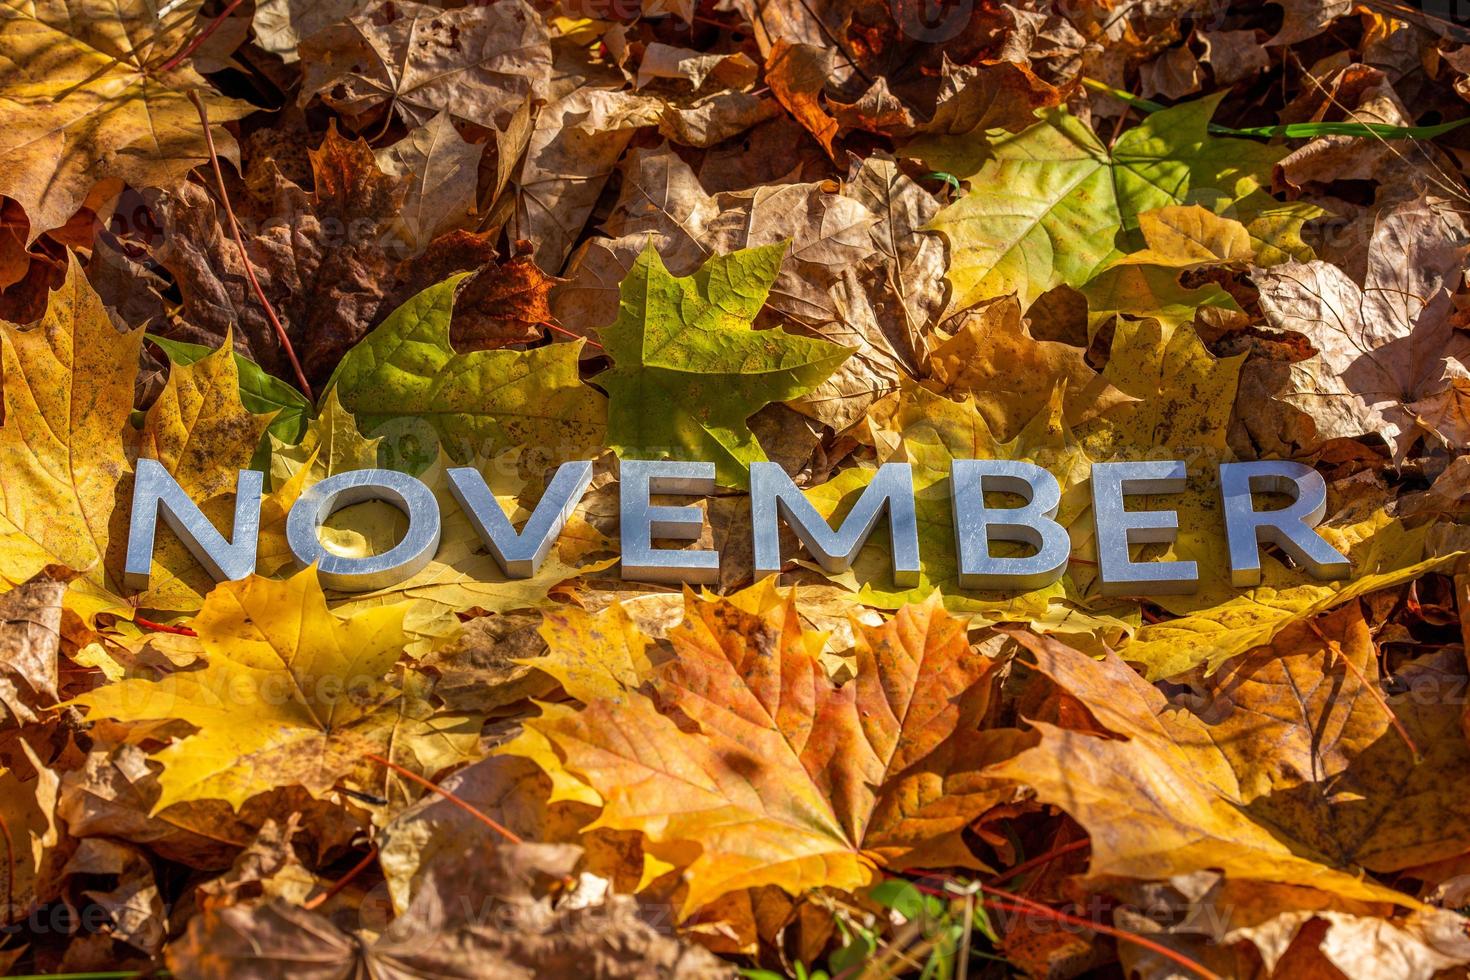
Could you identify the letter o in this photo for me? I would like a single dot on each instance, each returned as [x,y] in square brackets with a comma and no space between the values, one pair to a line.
[348,574]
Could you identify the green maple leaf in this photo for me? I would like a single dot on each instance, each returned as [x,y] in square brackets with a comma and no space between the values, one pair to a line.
[1052,205]
[405,383]
[689,368]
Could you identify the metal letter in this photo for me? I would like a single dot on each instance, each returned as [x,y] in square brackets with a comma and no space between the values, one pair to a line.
[773,496]
[1117,528]
[519,555]
[976,524]
[1291,527]
[346,574]
[155,490]
[641,522]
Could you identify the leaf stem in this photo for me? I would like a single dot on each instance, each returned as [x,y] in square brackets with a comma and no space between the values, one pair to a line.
[149,624]
[270,311]
[479,815]
[558,328]
[1044,859]
[199,38]
[1305,130]
[342,882]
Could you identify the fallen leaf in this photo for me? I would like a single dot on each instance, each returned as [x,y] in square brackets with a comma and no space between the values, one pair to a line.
[87,99]
[30,635]
[289,694]
[319,258]
[1287,771]
[797,74]
[686,345]
[68,393]
[404,379]
[785,779]
[1079,201]
[1384,345]
[1012,376]
[477,65]
[443,173]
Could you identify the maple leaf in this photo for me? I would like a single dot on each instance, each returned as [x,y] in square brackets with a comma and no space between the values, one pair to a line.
[87,98]
[330,443]
[1183,392]
[30,635]
[1053,206]
[1012,376]
[689,368]
[68,393]
[289,694]
[858,272]
[404,377]
[1288,770]
[477,64]
[777,776]
[797,74]
[199,420]
[261,393]
[326,287]
[1382,346]
[1146,283]
[68,397]
[444,172]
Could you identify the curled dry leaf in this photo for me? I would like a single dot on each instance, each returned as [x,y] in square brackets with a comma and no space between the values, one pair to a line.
[1383,345]
[440,934]
[30,635]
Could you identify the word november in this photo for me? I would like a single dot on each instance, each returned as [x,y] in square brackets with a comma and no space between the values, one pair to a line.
[773,499]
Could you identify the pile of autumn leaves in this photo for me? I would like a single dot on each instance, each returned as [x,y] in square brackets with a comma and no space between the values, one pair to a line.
[231,779]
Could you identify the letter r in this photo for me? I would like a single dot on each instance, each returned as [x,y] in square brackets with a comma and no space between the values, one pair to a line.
[1292,528]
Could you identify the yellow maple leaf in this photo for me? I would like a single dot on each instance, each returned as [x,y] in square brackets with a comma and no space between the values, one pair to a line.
[86,98]
[1283,767]
[289,694]
[68,394]
[1013,376]
[69,449]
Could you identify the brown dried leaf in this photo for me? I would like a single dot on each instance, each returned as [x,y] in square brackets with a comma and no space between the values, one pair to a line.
[477,63]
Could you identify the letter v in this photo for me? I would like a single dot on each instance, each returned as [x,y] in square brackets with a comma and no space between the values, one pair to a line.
[520,555]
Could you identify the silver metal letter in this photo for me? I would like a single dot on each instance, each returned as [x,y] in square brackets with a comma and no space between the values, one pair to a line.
[976,524]
[641,522]
[155,490]
[1290,528]
[519,555]
[773,496]
[1117,528]
[347,574]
